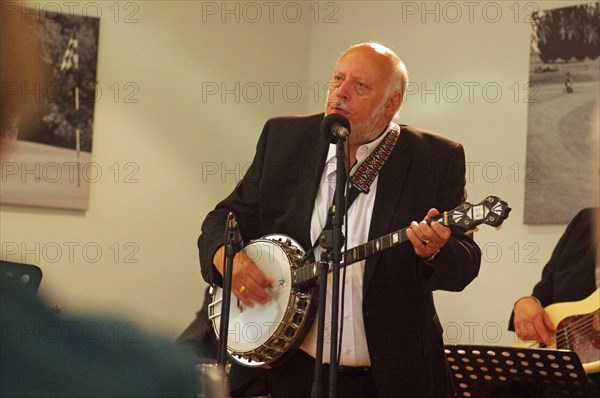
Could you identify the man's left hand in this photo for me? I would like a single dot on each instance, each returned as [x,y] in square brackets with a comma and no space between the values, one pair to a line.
[428,239]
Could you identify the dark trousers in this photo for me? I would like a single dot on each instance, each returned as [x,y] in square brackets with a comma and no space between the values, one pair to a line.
[294,378]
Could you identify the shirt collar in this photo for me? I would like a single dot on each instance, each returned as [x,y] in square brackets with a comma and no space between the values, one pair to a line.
[362,152]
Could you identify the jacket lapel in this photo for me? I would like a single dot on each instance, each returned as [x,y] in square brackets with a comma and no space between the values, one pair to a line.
[389,188]
[313,161]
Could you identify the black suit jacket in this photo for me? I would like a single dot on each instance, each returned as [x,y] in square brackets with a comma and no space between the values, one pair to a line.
[570,275]
[424,170]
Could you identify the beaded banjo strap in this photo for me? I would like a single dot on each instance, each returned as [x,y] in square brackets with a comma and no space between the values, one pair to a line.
[368,170]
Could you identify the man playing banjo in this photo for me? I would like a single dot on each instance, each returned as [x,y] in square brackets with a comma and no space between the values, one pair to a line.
[392,342]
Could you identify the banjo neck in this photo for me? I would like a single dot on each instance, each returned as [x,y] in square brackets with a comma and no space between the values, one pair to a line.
[491,211]
[307,275]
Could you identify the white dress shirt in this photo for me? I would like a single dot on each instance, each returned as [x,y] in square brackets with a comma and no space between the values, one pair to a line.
[353,349]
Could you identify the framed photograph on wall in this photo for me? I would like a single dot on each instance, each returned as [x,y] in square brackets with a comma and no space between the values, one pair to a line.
[47,125]
[563,119]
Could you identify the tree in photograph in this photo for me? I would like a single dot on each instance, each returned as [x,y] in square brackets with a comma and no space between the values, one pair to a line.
[566,33]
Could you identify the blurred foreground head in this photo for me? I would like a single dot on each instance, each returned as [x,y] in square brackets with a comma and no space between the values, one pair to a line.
[19,71]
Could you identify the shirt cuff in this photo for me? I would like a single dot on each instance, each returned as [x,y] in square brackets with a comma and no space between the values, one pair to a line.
[531,297]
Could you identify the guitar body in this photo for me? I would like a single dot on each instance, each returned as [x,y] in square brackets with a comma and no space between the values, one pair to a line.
[578,330]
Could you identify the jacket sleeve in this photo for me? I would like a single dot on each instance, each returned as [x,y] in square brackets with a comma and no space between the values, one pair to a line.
[458,262]
[544,290]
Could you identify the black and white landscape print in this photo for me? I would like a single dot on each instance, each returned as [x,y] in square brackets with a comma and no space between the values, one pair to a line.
[563,122]
[48,132]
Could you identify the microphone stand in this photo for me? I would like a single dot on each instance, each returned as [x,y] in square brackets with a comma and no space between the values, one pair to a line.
[338,242]
[233,244]
[331,240]
[326,244]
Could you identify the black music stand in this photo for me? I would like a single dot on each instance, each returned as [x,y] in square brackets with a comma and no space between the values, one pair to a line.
[27,276]
[510,372]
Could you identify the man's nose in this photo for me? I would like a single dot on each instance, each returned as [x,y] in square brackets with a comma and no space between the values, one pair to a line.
[343,90]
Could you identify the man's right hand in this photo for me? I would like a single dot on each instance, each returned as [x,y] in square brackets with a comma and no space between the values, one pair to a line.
[248,282]
[532,321]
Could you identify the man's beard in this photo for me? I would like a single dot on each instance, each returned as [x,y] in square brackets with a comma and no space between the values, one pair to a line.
[367,131]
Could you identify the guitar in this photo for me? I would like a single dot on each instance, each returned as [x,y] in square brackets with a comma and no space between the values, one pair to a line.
[266,335]
[578,330]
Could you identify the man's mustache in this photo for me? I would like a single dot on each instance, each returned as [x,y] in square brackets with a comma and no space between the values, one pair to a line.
[338,104]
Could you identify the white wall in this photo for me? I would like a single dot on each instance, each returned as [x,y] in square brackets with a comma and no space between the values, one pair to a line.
[468,63]
[176,138]
[165,141]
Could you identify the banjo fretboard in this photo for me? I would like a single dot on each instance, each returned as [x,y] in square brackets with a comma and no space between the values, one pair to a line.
[491,211]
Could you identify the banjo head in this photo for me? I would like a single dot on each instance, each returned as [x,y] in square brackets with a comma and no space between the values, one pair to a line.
[253,332]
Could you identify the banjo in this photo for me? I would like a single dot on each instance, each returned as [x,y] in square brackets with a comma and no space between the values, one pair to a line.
[266,335]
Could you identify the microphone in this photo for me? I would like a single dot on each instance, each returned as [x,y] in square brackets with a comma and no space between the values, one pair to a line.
[335,127]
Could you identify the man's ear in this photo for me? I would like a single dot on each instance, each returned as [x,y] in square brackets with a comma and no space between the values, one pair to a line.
[393,103]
